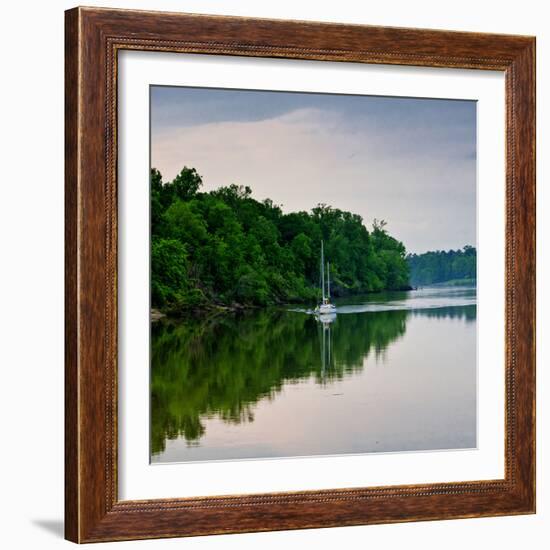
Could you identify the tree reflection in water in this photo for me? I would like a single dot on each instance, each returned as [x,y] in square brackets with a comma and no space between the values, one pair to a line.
[222,366]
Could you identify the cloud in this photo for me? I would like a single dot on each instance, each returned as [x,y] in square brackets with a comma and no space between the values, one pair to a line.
[420,177]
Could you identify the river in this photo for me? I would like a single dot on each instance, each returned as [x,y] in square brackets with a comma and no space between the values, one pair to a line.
[391,372]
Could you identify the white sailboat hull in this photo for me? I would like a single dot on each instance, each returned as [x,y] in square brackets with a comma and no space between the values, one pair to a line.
[325,309]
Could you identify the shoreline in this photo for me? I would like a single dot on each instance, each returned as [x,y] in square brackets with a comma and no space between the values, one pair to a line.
[213,309]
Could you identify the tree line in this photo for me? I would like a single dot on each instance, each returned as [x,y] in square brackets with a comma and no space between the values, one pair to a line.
[225,248]
[440,266]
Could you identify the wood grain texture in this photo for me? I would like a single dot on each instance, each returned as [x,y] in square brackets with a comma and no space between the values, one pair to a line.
[71,271]
[93,38]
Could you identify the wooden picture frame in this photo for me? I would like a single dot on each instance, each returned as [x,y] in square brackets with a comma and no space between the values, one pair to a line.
[93,511]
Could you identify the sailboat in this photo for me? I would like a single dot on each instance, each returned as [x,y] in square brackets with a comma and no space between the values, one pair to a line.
[325,308]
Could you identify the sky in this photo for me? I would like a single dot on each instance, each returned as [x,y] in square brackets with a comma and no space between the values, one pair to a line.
[410,162]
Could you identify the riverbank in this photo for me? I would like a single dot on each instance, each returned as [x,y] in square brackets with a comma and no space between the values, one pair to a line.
[204,310]
[212,309]
[456,282]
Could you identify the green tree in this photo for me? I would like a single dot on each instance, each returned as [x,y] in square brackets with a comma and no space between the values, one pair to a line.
[186,183]
[440,266]
[169,279]
[237,249]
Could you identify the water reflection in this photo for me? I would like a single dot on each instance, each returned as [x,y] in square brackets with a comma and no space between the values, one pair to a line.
[325,341]
[222,367]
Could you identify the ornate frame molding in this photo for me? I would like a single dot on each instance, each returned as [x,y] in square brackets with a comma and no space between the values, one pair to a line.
[93,38]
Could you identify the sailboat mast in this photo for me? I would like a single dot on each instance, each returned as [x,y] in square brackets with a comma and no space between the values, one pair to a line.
[323,271]
[328,280]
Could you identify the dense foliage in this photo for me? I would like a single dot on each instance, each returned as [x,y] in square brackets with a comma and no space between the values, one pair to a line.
[224,247]
[453,266]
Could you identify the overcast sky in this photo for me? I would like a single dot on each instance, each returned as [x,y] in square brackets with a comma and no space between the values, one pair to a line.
[411,162]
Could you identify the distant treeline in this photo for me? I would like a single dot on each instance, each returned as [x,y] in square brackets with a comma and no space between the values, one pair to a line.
[452,266]
[226,248]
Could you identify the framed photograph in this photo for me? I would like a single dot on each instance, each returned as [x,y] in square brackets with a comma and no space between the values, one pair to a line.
[300,275]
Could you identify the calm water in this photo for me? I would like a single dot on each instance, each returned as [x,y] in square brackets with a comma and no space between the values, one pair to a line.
[392,372]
